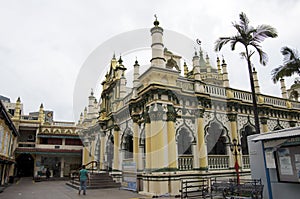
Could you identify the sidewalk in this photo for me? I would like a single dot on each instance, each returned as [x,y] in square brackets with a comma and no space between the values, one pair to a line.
[27,189]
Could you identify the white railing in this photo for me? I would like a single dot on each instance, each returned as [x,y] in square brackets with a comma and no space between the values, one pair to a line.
[242,96]
[218,162]
[296,105]
[70,124]
[185,162]
[246,162]
[275,102]
[215,91]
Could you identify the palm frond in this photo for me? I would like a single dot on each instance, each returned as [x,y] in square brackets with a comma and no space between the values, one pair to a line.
[289,54]
[263,57]
[286,70]
[244,21]
[264,31]
[221,42]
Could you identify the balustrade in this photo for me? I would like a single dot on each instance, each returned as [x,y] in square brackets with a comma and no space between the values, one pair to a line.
[185,162]
[218,162]
[246,162]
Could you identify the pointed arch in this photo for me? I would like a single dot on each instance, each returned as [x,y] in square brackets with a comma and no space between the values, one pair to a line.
[127,143]
[248,129]
[184,139]
[216,138]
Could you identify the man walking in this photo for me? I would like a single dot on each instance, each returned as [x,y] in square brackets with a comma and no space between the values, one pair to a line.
[83,177]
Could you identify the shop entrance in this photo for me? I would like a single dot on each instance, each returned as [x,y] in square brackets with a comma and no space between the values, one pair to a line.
[25,165]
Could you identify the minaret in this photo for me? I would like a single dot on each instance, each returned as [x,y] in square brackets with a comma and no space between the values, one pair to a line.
[256,84]
[196,67]
[219,65]
[157,46]
[17,113]
[91,103]
[136,74]
[41,114]
[208,68]
[81,118]
[283,89]
[225,74]
[122,85]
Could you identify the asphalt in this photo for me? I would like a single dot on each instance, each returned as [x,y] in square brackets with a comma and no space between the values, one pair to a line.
[26,188]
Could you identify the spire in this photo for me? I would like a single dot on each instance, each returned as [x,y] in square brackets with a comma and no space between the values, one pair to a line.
[136,74]
[17,113]
[92,92]
[41,114]
[283,89]
[208,67]
[219,65]
[225,74]
[156,23]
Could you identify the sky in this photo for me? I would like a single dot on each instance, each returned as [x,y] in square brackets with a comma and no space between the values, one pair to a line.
[45,43]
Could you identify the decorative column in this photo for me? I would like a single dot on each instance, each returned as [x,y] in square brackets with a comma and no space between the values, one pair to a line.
[147,140]
[157,137]
[116,164]
[232,117]
[201,146]
[135,119]
[102,151]
[172,151]
[264,122]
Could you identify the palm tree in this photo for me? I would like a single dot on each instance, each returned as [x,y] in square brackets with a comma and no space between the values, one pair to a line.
[250,38]
[291,64]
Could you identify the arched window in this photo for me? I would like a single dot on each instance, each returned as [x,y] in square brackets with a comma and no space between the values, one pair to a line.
[246,131]
[184,141]
[127,144]
[216,139]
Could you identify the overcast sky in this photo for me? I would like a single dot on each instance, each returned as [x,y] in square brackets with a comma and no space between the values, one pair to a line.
[44,43]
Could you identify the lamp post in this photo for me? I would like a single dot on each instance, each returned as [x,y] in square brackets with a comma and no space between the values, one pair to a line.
[235,148]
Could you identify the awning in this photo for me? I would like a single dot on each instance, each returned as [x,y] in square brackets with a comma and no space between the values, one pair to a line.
[279,134]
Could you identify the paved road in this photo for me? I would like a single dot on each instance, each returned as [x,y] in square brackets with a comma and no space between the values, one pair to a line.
[27,189]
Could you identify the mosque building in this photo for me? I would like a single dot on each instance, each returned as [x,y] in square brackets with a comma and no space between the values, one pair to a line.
[174,125]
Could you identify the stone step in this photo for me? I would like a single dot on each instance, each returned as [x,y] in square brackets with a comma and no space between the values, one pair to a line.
[97,181]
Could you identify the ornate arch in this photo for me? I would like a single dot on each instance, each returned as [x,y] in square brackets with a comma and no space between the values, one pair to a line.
[188,129]
[127,142]
[247,129]
[216,137]
[184,139]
